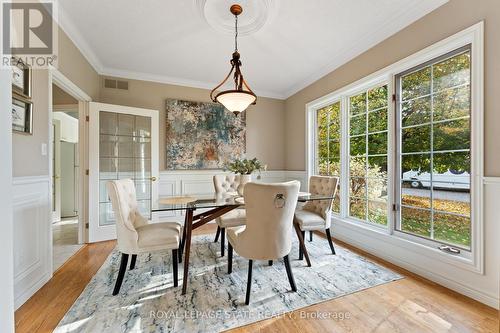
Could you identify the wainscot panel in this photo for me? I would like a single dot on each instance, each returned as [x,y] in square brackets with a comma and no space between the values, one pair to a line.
[32,236]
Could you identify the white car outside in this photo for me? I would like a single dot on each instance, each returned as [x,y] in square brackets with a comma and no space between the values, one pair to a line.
[446,180]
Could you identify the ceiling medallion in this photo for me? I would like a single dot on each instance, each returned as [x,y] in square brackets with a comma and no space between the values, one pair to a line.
[238,99]
[258,13]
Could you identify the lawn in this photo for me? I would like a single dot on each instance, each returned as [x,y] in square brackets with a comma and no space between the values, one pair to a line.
[447,227]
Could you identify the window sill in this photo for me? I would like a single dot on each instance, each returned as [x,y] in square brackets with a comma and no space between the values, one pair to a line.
[380,235]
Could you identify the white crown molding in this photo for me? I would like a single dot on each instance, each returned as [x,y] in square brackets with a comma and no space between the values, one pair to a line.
[399,21]
[131,75]
[81,44]
[78,40]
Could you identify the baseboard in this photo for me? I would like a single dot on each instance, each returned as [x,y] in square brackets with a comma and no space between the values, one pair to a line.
[477,295]
[26,295]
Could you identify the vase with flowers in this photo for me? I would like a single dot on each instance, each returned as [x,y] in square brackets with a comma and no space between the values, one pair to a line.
[245,168]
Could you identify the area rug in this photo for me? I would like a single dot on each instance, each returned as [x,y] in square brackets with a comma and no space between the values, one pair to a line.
[214,302]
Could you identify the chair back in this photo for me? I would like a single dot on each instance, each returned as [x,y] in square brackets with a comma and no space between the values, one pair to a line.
[226,183]
[269,217]
[322,185]
[127,216]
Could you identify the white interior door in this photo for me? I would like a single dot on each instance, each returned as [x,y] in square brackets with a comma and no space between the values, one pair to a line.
[56,170]
[123,143]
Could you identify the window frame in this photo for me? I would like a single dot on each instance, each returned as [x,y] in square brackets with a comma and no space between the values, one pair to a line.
[398,144]
[473,260]
[316,143]
[347,96]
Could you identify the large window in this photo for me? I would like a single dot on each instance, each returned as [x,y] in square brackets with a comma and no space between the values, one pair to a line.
[407,145]
[368,155]
[434,149]
[328,149]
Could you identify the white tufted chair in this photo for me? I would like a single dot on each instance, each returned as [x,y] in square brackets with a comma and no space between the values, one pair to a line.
[268,231]
[227,184]
[134,233]
[316,214]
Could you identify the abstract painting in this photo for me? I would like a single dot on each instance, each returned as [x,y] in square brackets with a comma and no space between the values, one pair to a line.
[201,135]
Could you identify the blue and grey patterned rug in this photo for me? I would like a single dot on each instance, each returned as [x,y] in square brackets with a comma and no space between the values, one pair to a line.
[214,302]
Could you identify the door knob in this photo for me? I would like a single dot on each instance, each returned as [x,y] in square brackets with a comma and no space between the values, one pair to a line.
[153,179]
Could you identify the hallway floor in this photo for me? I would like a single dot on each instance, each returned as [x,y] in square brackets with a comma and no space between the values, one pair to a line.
[65,241]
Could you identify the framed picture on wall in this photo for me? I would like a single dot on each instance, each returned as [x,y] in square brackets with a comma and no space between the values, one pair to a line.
[22,116]
[21,79]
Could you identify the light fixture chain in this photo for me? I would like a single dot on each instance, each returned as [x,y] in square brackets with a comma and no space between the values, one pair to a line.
[236,34]
[239,99]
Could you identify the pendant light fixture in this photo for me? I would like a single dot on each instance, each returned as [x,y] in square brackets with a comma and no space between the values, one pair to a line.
[238,99]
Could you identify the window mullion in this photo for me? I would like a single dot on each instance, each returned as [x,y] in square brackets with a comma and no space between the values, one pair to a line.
[344,157]
[328,171]
[431,194]
[366,156]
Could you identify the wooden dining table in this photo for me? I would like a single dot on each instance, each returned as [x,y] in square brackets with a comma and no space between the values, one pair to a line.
[210,207]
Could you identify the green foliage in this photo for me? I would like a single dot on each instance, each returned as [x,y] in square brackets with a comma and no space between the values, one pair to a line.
[448,81]
[246,166]
[440,93]
[364,184]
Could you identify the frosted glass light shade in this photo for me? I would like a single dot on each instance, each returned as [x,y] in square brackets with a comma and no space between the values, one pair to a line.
[236,101]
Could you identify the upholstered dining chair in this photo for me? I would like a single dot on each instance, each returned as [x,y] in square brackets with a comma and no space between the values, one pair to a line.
[135,234]
[268,231]
[316,214]
[226,185]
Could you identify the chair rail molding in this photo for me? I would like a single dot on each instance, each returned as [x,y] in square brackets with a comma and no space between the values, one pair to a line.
[192,182]
[32,235]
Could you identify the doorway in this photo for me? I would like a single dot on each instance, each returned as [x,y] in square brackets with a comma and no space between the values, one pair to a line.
[123,143]
[66,240]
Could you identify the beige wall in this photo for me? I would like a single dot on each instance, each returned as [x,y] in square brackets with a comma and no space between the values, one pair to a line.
[265,121]
[76,68]
[60,97]
[453,17]
[27,158]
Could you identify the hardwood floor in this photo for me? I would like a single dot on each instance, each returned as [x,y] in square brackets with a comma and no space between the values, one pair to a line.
[412,304]
[43,311]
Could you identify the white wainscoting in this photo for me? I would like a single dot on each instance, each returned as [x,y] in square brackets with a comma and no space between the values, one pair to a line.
[199,182]
[426,262]
[32,236]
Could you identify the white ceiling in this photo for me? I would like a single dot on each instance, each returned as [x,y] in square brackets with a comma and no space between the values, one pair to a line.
[285,44]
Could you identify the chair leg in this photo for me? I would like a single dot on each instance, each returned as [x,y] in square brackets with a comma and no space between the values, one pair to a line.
[229,258]
[329,237]
[289,273]
[121,274]
[222,241]
[310,236]
[174,264]
[217,234]
[249,282]
[132,261]
[301,254]
[270,262]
